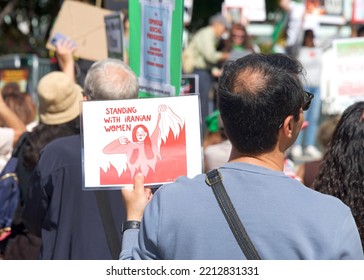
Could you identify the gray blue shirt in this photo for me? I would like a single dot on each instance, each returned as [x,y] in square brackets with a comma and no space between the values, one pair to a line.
[284,219]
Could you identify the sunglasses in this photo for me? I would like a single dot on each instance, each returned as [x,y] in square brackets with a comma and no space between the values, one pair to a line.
[307,101]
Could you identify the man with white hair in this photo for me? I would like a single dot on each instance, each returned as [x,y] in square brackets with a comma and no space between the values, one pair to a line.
[66,217]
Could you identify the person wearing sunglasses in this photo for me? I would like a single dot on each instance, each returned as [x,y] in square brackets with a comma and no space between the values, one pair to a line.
[239,42]
[261,102]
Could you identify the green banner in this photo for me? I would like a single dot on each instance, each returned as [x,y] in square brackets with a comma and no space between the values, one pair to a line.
[156,45]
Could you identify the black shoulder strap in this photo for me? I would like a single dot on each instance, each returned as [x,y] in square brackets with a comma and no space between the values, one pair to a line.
[214,180]
[108,223]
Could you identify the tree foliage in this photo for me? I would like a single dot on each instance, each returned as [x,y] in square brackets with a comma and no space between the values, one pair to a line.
[25,24]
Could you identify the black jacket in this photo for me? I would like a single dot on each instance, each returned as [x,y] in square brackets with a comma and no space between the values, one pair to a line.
[66,216]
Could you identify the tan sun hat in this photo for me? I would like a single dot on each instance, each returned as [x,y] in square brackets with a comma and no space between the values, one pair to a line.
[59,98]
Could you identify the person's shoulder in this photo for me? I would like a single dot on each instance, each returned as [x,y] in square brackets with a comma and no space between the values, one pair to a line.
[203,31]
[63,149]
[182,184]
[177,197]
[63,144]
[326,204]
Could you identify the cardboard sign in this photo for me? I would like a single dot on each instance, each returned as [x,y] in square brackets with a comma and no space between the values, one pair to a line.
[159,137]
[84,24]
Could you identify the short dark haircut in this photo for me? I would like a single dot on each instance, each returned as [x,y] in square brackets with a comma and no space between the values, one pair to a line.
[256,93]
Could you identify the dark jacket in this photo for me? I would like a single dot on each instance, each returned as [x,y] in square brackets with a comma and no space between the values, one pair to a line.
[66,216]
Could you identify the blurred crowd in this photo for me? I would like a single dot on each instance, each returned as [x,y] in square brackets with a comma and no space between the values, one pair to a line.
[327,155]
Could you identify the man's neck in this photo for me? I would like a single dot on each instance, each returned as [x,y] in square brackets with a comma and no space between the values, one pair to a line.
[273,160]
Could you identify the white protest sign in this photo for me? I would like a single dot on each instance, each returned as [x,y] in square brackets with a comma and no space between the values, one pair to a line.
[159,137]
[348,83]
[244,10]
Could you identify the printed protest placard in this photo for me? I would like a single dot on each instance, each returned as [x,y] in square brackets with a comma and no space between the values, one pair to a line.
[244,11]
[326,11]
[114,34]
[348,83]
[20,77]
[189,84]
[358,12]
[156,45]
[159,137]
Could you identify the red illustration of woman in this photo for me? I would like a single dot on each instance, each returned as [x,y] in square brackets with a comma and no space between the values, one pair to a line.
[143,151]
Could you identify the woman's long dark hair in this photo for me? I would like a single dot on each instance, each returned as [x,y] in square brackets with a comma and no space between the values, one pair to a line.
[42,134]
[342,170]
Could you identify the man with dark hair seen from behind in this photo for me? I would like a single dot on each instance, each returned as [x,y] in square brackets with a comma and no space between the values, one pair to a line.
[261,101]
[67,217]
